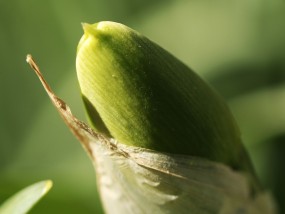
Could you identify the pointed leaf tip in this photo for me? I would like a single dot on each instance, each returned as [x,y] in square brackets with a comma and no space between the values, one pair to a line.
[26,198]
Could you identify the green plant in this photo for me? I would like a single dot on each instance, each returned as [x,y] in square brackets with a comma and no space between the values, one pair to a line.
[135,174]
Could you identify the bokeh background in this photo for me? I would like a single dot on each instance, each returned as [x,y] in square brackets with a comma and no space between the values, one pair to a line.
[238,46]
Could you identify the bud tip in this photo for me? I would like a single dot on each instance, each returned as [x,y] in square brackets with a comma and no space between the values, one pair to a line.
[88,28]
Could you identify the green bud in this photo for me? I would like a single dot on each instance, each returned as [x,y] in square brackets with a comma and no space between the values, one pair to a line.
[141,95]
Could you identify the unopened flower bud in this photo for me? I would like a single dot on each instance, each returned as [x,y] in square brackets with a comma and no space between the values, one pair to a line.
[141,95]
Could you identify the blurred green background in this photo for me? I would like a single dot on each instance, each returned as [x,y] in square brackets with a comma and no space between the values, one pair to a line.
[238,46]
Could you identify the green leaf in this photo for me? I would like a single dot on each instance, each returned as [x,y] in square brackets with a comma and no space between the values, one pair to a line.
[138,180]
[25,199]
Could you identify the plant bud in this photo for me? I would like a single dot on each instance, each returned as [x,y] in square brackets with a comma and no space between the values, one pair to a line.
[141,95]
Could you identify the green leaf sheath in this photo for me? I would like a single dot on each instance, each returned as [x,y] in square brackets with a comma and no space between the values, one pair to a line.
[141,95]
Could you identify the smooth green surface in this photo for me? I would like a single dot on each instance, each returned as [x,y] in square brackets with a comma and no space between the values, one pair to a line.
[236,45]
[146,97]
[24,200]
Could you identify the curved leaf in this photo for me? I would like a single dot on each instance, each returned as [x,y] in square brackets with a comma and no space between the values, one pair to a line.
[25,199]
